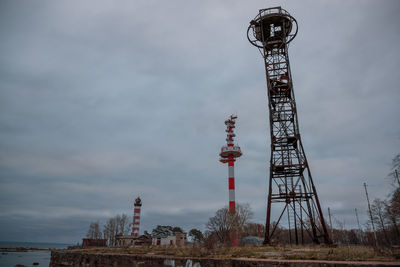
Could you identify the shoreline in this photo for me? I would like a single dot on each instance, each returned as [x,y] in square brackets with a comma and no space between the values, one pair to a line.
[74,258]
[23,249]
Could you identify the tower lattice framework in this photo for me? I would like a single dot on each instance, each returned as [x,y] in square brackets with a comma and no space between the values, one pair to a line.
[290,182]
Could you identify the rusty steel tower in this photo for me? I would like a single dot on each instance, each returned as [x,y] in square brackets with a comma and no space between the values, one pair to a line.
[228,154]
[290,182]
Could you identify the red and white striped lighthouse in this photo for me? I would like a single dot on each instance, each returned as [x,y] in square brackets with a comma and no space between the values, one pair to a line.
[228,154]
[136,217]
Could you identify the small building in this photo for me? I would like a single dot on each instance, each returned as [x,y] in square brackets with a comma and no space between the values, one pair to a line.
[91,242]
[251,241]
[125,240]
[180,240]
[177,240]
[131,241]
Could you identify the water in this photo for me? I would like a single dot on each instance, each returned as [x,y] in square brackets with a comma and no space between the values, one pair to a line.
[10,259]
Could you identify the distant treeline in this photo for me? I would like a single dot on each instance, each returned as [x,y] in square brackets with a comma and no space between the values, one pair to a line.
[219,228]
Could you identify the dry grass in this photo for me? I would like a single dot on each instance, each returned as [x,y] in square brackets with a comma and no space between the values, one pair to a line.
[342,253]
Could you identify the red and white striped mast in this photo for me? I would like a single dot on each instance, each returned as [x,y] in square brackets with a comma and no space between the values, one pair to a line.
[228,154]
[136,217]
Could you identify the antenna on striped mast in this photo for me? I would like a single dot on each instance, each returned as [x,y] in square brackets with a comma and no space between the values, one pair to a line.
[228,154]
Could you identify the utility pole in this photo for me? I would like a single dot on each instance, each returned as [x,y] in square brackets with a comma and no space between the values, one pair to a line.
[358,222]
[370,214]
[330,222]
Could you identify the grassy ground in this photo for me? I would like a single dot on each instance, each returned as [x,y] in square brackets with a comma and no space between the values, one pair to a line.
[342,253]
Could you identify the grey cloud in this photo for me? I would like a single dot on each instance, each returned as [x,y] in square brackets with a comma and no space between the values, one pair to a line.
[101,102]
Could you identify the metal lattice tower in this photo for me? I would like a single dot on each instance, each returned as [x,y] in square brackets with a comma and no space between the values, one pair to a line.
[290,182]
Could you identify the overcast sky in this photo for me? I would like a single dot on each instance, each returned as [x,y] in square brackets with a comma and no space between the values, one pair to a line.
[104,101]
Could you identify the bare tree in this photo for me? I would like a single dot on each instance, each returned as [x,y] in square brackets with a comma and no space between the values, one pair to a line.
[124,224]
[243,215]
[110,231]
[94,231]
[395,204]
[392,205]
[340,235]
[395,172]
[254,229]
[223,223]
[220,225]
[118,225]
[392,209]
[378,215]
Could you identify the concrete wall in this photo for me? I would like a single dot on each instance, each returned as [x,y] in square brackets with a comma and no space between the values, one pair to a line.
[62,258]
[165,241]
[180,239]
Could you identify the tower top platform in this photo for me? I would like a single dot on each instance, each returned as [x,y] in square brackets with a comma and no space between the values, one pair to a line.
[271,28]
[138,202]
[227,151]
